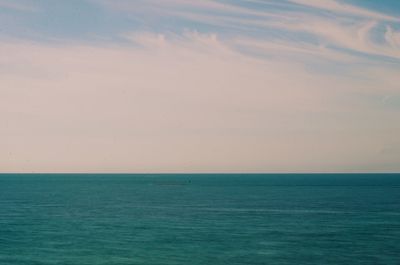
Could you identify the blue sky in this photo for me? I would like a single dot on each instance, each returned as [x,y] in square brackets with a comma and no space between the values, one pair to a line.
[91,19]
[275,21]
[196,86]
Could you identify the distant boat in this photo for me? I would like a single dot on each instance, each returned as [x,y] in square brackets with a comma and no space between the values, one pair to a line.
[172,183]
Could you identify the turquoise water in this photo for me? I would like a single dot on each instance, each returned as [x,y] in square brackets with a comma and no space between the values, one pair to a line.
[199,219]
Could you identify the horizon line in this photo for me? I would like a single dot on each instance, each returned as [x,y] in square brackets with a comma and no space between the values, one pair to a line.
[197,173]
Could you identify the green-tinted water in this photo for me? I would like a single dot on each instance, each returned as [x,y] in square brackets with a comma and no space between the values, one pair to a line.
[199,219]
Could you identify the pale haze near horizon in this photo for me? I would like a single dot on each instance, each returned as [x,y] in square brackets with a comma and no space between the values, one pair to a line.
[190,86]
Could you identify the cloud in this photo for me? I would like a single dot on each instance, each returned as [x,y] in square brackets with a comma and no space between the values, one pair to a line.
[168,7]
[349,29]
[187,102]
[346,29]
[342,8]
[355,37]
[392,38]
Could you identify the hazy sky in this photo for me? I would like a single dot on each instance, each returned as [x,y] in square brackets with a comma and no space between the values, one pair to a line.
[199,86]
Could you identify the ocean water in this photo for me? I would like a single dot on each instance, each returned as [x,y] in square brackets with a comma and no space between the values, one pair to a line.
[199,219]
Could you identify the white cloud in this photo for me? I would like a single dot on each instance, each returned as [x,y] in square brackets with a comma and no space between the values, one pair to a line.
[354,36]
[392,38]
[350,27]
[168,7]
[335,6]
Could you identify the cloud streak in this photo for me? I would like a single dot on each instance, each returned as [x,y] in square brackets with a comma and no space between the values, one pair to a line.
[347,27]
[341,8]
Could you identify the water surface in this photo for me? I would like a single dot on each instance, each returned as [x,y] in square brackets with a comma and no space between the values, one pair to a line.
[199,219]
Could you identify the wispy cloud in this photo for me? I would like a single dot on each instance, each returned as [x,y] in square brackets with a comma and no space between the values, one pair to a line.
[350,28]
[392,38]
[342,8]
[356,36]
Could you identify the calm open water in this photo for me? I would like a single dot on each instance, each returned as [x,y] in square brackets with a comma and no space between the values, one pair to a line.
[199,219]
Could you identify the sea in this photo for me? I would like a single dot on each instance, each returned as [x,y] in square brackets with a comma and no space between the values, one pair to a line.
[199,219]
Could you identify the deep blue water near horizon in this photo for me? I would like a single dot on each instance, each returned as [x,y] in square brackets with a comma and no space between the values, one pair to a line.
[199,219]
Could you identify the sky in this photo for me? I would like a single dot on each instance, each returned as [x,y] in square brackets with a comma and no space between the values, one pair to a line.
[199,86]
